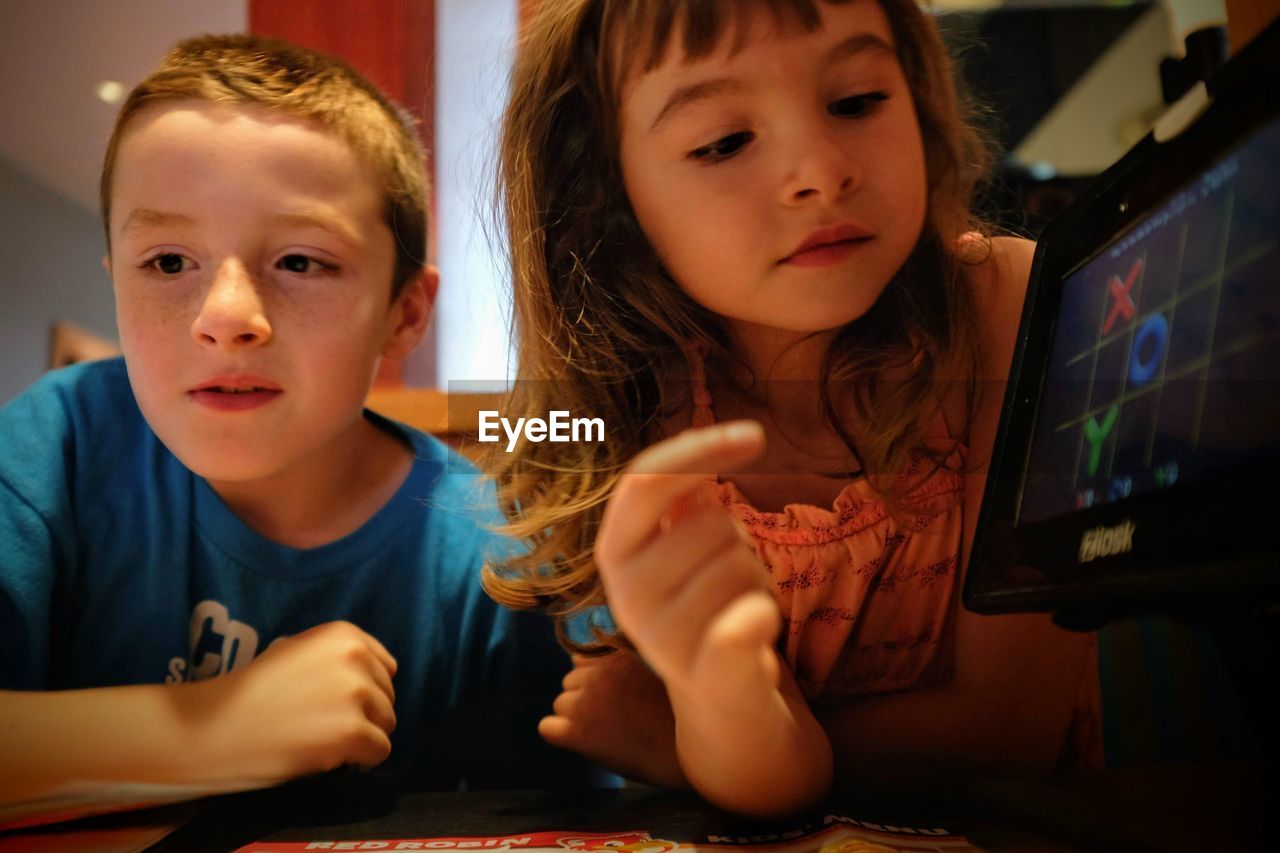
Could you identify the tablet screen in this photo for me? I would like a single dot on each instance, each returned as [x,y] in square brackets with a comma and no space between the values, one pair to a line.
[1164,365]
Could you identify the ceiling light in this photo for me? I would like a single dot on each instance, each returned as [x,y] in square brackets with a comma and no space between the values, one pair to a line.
[110,91]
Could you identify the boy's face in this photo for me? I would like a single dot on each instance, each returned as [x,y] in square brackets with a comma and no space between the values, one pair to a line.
[252,268]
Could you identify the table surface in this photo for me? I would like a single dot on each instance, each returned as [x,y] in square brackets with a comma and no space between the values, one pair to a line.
[334,815]
[1155,808]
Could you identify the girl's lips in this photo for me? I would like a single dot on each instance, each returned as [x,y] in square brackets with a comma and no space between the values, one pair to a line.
[828,245]
[824,254]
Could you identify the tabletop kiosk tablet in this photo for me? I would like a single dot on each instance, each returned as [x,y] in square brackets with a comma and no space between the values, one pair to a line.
[1138,459]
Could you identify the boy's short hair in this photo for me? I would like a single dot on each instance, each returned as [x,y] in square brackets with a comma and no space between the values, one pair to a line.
[307,84]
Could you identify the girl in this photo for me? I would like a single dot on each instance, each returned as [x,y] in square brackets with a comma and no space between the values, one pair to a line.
[757,214]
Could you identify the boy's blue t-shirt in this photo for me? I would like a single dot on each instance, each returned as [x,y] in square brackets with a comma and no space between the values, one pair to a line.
[119,566]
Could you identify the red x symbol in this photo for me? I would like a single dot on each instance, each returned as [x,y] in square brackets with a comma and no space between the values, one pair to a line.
[1120,290]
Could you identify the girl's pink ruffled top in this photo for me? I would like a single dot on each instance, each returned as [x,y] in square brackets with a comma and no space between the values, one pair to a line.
[865,594]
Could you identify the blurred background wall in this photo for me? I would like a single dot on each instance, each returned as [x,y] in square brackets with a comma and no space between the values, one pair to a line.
[54,55]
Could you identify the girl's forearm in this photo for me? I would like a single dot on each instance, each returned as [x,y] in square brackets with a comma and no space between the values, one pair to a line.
[148,733]
[1007,712]
[942,737]
[929,738]
[764,757]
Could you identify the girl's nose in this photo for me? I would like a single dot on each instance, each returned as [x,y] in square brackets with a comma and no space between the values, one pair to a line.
[820,169]
[232,314]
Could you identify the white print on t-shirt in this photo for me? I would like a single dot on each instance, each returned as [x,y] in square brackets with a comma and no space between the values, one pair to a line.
[236,641]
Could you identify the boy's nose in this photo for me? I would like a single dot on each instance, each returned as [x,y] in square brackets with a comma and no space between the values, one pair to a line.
[819,168]
[232,313]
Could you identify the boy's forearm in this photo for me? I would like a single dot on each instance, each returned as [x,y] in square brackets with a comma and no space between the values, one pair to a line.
[764,758]
[146,733]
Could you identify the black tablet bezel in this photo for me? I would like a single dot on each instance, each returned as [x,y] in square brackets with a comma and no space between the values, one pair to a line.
[1190,539]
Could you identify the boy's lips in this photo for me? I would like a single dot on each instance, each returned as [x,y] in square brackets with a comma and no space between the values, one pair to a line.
[828,245]
[235,392]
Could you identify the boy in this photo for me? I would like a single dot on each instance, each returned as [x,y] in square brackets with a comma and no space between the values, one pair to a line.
[215,568]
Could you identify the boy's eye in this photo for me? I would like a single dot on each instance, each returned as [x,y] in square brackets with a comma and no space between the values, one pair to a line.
[169,263]
[301,264]
[722,148]
[856,105]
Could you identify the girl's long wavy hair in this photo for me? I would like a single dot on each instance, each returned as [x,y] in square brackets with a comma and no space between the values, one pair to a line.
[599,321]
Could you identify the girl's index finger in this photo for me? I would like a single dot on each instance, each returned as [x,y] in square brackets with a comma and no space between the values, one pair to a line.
[660,475]
[702,451]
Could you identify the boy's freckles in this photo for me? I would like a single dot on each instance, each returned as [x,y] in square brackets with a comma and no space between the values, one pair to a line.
[249,248]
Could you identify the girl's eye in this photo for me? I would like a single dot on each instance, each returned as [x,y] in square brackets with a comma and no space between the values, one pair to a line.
[857,105]
[168,263]
[302,265]
[723,148]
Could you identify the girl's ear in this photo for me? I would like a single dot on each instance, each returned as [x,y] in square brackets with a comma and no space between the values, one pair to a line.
[410,313]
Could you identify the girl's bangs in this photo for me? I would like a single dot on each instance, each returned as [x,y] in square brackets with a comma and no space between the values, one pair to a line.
[641,31]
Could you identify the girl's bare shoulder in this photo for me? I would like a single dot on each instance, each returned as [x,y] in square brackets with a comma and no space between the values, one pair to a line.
[998,270]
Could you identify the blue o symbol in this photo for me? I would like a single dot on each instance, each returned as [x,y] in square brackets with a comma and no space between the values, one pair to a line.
[1142,369]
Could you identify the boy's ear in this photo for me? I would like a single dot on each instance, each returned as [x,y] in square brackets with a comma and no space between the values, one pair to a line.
[410,313]
[106,263]
[431,281]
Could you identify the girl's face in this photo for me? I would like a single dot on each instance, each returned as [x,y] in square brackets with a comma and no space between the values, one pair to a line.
[782,185]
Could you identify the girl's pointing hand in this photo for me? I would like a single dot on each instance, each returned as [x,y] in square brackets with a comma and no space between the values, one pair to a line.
[681,578]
